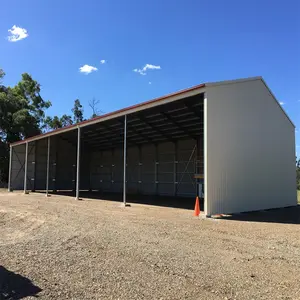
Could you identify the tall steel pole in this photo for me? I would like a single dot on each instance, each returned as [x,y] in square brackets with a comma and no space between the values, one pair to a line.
[78,165]
[206,195]
[124,153]
[25,172]
[48,165]
[10,166]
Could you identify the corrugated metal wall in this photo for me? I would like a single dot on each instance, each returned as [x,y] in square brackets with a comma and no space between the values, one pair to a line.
[164,169]
[161,169]
[41,164]
[18,167]
[250,150]
[65,165]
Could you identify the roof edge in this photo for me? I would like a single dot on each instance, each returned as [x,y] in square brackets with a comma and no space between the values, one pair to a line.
[130,109]
[263,81]
[212,84]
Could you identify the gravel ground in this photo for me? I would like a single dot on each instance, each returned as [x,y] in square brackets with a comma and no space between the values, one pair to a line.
[59,248]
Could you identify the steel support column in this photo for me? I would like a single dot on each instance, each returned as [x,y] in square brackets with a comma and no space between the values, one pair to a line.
[155,170]
[25,170]
[78,164]
[206,204]
[10,166]
[124,157]
[175,167]
[48,165]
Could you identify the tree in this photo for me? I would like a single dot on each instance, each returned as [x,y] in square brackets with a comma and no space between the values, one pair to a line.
[22,114]
[2,74]
[93,105]
[66,120]
[77,111]
[57,122]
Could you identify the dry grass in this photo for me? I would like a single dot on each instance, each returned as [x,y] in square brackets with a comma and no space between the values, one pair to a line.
[97,250]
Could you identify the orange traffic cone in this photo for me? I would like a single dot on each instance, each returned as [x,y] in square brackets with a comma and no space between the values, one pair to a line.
[197,207]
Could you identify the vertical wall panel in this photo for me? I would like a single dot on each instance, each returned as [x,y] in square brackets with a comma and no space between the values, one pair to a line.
[17,169]
[31,166]
[65,165]
[41,164]
[133,170]
[18,166]
[107,169]
[250,150]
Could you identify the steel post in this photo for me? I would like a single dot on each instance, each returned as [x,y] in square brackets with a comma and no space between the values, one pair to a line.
[78,165]
[25,171]
[48,165]
[10,166]
[124,165]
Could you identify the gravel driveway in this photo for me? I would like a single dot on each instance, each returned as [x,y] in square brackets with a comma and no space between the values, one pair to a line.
[59,248]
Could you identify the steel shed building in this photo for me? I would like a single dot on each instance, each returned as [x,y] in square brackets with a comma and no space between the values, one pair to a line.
[230,142]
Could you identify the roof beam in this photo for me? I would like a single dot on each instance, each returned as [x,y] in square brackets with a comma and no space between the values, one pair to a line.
[178,125]
[168,137]
[195,112]
[131,128]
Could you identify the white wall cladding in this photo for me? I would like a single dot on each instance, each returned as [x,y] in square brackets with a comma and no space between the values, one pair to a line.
[250,150]
[150,169]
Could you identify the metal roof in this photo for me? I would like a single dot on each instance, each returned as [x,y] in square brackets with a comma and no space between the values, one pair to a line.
[189,92]
[129,110]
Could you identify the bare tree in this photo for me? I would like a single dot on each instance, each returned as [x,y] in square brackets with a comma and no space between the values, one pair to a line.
[93,104]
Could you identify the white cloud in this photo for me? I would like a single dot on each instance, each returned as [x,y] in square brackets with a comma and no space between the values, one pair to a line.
[151,67]
[102,61]
[145,68]
[86,69]
[139,71]
[17,33]
[282,103]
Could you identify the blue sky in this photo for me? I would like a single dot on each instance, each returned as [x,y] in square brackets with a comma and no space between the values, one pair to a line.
[184,43]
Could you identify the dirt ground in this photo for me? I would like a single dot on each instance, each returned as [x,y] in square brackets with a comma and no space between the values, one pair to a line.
[60,248]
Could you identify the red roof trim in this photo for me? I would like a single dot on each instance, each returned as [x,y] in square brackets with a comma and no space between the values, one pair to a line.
[109,114]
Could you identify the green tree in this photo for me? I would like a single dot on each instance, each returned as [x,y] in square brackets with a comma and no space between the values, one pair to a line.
[22,113]
[57,122]
[2,74]
[77,111]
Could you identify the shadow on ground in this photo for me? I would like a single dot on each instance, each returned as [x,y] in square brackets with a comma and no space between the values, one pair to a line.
[165,201]
[288,215]
[15,286]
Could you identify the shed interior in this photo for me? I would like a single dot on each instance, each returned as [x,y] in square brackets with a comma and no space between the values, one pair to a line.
[164,153]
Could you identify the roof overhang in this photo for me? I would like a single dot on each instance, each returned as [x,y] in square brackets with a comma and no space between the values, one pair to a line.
[186,93]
